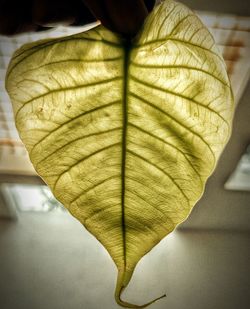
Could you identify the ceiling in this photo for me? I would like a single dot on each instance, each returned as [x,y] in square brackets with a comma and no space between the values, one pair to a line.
[239,7]
[218,208]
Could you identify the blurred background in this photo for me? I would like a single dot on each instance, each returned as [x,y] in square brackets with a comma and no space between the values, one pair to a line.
[48,259]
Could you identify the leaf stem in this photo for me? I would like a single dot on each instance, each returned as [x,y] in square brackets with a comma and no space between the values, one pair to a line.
[123,280]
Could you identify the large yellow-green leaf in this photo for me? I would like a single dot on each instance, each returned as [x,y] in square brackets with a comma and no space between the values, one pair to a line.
[125,133]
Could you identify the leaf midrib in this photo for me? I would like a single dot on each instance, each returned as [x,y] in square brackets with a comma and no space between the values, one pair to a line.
[127,48]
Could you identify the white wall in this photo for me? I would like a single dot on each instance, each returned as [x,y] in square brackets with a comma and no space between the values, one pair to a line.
[49,261]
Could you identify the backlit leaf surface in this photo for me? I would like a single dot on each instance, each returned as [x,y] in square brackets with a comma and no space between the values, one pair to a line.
[125,134]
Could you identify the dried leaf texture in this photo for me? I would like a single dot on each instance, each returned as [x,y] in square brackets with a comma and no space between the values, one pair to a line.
[125,134]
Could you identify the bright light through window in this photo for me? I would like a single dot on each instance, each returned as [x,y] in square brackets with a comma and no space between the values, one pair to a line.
[31,197]
[240,178]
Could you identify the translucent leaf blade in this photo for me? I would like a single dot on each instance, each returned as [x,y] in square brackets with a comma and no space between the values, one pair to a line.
[125,135]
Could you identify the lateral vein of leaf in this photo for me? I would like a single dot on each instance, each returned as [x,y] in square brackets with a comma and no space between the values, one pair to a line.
[97,212]
[175,120]
[148,66]
[149,188]
[102,41]
[197,31]
[181,96]
[42,46]
[136,225]
[139,226]
[99,33]
[179,41]
[92,188]
[164,20]
[146,201]
[39,47]
[160,169]
[75,118]
[67,89]
[179,23]
[75,60]
[169,144]
[84,159]
[33,81]
[150,21]
[75,140]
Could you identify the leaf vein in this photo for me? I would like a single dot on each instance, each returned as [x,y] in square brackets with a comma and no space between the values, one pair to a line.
[75,140]
[160,169]
[82,160]
[71,120]
[38,48]
[181,96]
[175,120]
[67,89]
[92,188]
[148,66]
[179,41]
[169,144]
[74,60]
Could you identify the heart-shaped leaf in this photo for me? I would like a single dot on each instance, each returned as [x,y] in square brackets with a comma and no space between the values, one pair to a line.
[125,133]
